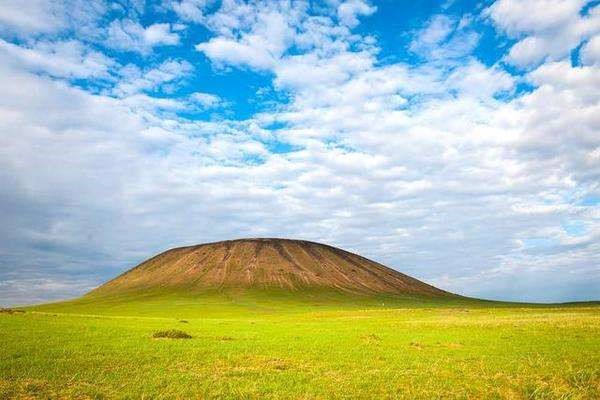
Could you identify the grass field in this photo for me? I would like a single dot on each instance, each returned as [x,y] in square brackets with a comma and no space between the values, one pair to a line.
[273,346]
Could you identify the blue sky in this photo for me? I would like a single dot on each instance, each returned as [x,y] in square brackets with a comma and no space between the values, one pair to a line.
[455,141]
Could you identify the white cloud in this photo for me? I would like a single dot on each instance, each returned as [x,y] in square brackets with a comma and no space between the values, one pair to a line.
[444,38]
[517,17]
[310,70]
[129,35]
[64,59]
[348,11]
[142,102]
[580,84]
[206,100]
[258,47]
[438,29]
[190,10]
[259,36]
[545,29]
[590,52]
[135,80]
[35,17]
[225,51]
[475,79]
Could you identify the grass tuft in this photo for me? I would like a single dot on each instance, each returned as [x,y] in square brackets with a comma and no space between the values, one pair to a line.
[171,334]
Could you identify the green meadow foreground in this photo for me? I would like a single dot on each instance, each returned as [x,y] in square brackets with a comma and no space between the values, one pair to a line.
[276,347]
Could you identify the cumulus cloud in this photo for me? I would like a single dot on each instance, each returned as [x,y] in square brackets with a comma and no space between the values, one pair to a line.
[64,59]
[261,37]
[206,100]
[348,11]
[36,17]
[438,29]
[516,17]
[150,78]
[444,38]
[590,52]
[544,29]
[190,10]
[258,46]
[130,35]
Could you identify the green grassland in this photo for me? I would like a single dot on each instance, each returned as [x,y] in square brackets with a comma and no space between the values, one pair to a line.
[274,345]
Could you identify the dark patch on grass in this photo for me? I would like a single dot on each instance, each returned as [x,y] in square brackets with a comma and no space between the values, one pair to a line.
[11,311]
[417,345]
[183,321]
[371,338]
[171,334]
[277,364]
[449,345]
[225,338]
[36,388]
[583,379]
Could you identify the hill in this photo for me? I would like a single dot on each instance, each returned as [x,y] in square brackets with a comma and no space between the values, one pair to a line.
[276,264]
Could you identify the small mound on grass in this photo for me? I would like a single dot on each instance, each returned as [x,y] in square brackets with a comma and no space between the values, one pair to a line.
[171,334]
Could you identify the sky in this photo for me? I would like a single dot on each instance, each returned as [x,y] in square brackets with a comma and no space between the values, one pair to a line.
[455,141]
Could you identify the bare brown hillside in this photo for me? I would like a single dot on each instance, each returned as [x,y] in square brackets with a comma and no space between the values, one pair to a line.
[266,263]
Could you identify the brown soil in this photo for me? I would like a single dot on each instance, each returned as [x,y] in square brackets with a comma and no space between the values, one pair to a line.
[266,263]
